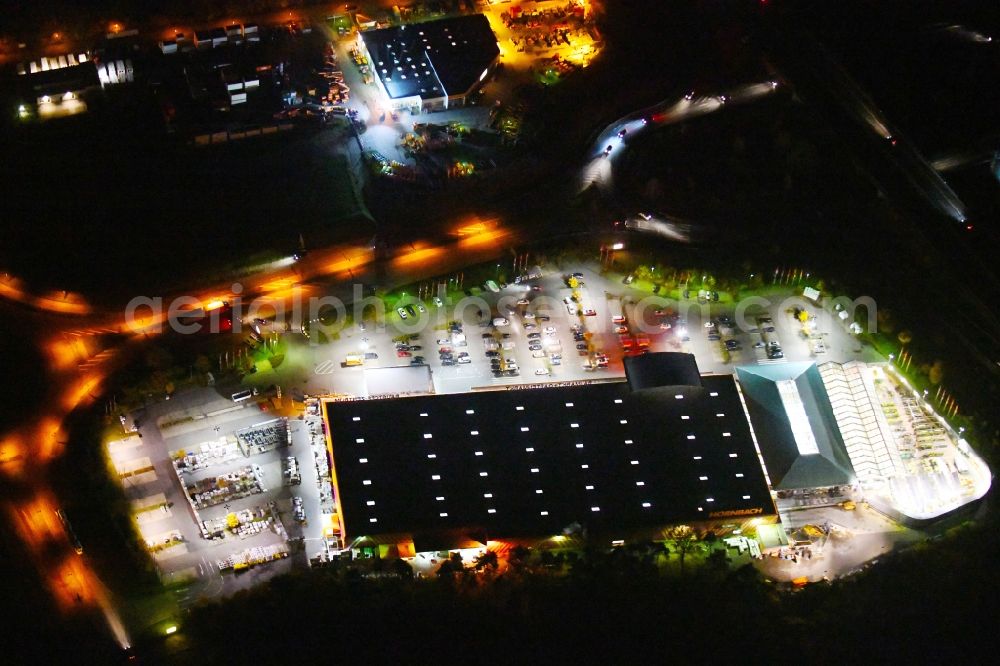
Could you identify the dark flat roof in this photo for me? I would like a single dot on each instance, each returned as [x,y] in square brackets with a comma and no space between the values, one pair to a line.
[631,456]
[661,369]
[432,59]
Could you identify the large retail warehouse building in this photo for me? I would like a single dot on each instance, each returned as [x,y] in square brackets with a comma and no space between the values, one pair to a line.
[621,460]
[613,459]
[431,66]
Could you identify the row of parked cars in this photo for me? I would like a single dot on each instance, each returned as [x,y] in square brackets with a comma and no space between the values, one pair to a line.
[455,340]
[771,345]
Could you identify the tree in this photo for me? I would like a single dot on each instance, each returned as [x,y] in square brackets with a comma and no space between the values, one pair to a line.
[402,568]
[684,540]
[202,364]
[717,560]
[487,559]
[518,557]
[453,565]
[936,373]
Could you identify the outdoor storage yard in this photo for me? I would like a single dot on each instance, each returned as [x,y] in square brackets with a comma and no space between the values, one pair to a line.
[223,494]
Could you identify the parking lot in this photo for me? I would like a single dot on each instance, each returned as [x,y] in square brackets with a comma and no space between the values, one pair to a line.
[531,325]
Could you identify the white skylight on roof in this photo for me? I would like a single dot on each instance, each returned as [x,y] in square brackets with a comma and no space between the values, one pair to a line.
[802,432]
